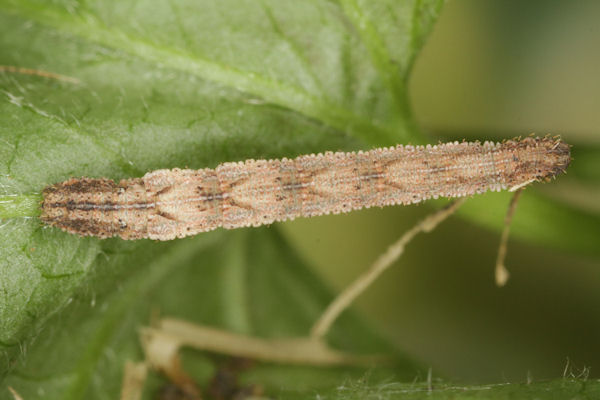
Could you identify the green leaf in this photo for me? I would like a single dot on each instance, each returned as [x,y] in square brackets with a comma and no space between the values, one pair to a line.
[286,55]
[249,282]
[144,85]
[187,83]
[538,219]
[576,389]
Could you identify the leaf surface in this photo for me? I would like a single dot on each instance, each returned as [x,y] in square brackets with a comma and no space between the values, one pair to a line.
[181,84]
[119,88]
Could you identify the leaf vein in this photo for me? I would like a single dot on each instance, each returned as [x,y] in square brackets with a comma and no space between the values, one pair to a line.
[294,98]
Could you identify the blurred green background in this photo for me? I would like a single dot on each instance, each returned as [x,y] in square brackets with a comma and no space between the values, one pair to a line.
[489,70]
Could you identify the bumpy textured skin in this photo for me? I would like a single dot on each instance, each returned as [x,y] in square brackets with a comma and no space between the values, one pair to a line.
[168,204]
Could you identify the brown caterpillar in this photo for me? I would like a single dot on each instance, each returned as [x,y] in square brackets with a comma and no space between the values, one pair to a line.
[168,204]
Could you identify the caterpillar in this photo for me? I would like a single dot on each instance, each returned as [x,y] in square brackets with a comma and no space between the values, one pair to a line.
[174,203]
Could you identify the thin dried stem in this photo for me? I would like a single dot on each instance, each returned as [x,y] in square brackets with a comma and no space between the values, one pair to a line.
[134,377]
[162,343]
[344,299]
[501,272]
[38,72]
[14,393]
